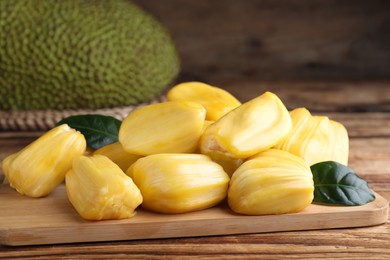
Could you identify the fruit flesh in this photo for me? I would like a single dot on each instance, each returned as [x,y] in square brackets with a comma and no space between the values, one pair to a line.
[98,189]
[39,167]
[255,126]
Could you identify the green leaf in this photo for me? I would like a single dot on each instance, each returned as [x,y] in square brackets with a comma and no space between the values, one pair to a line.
[98,130]
[335,183]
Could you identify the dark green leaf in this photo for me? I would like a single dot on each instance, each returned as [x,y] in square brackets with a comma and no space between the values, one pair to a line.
[335,183]
[98,130]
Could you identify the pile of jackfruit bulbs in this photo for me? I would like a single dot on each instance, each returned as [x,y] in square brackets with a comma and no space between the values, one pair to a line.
[192,152]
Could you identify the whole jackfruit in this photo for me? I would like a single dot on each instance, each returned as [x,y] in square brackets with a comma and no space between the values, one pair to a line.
[81,54]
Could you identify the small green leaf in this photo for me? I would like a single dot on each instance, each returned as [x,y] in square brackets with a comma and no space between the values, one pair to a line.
[335,183]
[98,130]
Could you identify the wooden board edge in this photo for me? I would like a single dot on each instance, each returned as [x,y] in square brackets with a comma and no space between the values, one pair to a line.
[375,214]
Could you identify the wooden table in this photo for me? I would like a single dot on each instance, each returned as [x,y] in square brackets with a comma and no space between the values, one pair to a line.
[363,107]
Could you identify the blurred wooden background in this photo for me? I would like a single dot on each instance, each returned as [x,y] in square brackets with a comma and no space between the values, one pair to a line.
[331,56]
[229,40]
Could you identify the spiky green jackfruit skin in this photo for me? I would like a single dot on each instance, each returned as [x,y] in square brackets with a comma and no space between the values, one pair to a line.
[81,54]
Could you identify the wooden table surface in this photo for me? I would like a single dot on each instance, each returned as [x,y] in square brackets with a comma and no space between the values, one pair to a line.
[363,107]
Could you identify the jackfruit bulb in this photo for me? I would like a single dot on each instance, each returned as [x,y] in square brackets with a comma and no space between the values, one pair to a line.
[82,54]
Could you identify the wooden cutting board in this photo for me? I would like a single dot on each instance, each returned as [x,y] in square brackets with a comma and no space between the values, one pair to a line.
[52,220]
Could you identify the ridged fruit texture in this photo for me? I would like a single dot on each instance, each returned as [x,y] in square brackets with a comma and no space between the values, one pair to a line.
[178,182]
[81,54]
[38,168]
[98,189]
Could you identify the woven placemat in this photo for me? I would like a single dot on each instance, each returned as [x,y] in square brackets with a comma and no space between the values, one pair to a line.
[42,120]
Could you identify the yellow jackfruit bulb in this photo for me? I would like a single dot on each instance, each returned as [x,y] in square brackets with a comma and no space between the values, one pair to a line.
[217,101]
[316,138]
[271,182]
[178,183]
[39,167]
[206,124]
[169,127]
[98,189]
[228,163]
[251,128]
[118,155]
[340,151]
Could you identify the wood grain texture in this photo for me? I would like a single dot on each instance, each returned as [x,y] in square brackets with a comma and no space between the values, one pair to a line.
[285,39]
[52,220]
[318,96]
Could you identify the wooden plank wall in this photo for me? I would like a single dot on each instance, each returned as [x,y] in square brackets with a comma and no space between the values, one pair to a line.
[285,39]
